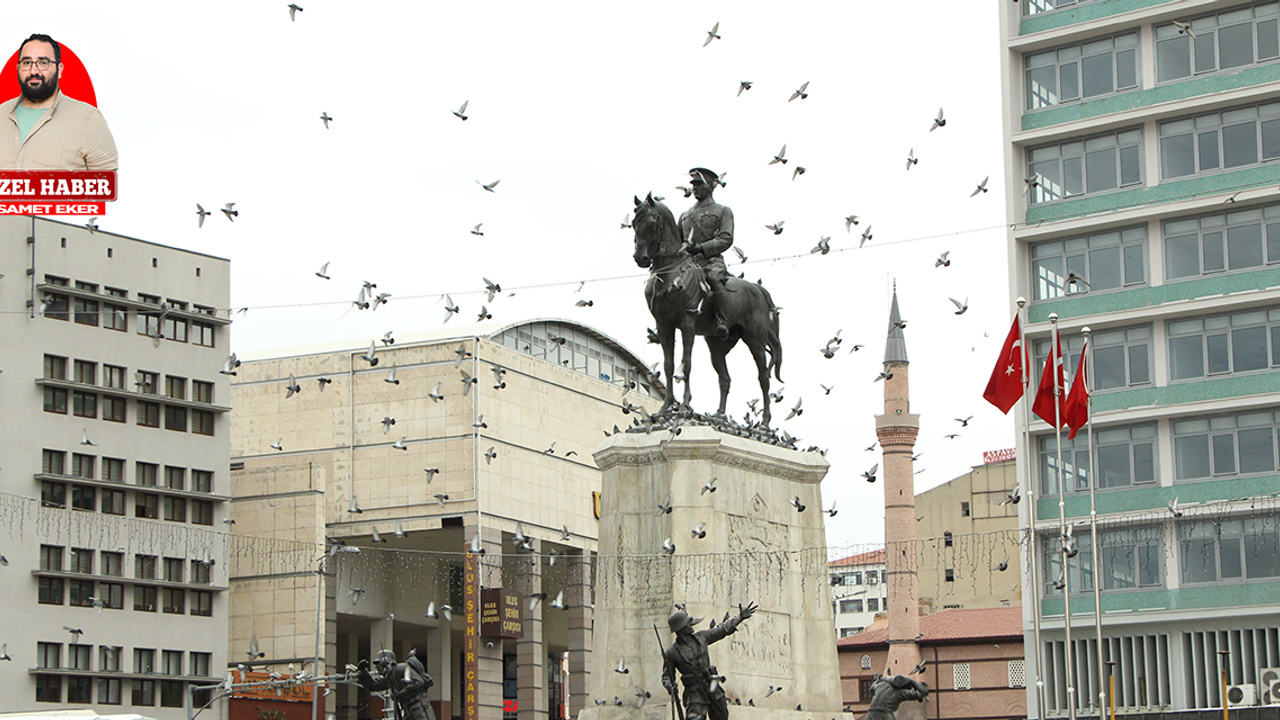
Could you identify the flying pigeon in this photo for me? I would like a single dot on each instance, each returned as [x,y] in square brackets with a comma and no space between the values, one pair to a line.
[744,85]
[230,211]
[462,113]
[911,158]
[477,231]
[291,388]
[490,187]
[712,34]
[795,503]
[200,215]
[776,227]
[943,260]
[982,187]
[293,10]
[781,157]
[801,92]
[870,475]
[710,486]
[938,122]
[324,117]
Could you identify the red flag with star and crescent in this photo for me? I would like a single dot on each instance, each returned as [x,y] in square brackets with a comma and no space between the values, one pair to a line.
[1075,411]
[1052,384]
[1005,386]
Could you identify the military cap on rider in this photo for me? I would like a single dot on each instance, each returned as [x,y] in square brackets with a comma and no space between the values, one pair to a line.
[681,619]
[384,656]
[704,176]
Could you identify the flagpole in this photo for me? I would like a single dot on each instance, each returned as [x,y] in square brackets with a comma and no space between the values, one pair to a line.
[1031,494]
[1055,351]
[1093,522]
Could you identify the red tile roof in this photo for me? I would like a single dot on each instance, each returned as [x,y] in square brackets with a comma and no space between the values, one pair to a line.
[875,557]
[950,626]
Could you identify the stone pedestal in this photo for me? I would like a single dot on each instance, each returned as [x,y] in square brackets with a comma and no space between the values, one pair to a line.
[758,548]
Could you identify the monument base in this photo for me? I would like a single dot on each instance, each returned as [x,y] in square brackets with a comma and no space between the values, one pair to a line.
[755,534]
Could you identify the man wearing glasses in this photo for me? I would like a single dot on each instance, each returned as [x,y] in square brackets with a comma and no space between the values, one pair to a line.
[47,130]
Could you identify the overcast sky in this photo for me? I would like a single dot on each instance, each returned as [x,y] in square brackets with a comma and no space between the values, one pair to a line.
[578,107]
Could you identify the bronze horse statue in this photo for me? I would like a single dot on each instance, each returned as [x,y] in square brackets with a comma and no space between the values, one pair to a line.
[674,293]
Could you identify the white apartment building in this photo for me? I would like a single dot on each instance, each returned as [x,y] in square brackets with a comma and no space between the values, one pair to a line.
[114,446]
[858,590]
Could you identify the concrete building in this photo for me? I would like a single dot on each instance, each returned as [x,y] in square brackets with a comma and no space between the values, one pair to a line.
[478,440]
[114,439]
[973,664]
[1140,146]
[965,536]
[858,591]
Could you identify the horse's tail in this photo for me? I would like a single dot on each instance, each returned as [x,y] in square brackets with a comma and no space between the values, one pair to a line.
[774,341]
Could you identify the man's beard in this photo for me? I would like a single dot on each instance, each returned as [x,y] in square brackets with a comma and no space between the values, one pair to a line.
[43,92]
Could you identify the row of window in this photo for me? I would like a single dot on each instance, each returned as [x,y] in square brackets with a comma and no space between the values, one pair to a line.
[115,409]
[159,323]
[1081,71]
[1194,247]
[1227,344]
[110,596]
[856,577]
[145,567]
[1210,551]
[1200,145]
[145,474]
[171,693]
[49,657]
[146,505]
[114,376]
[80,689]
[854,605]
[1203,448]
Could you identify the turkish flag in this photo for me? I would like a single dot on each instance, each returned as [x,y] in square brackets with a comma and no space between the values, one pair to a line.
[1052,383]
[1005,386]
[1075,411]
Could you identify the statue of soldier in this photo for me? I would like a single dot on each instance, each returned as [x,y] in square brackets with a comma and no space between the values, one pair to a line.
[887,693]
[407,683]
[703,694]
[707,228]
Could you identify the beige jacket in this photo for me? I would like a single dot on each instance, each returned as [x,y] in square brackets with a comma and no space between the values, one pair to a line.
[71,135]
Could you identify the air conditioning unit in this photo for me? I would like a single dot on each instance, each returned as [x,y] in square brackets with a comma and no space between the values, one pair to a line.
[873,579]
[1269,686]
[1242,695]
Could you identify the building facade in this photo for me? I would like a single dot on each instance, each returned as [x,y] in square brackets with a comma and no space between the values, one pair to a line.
[968,550]
[114,485]
[973,664]
[858,591]
[456,464]
[1140,141]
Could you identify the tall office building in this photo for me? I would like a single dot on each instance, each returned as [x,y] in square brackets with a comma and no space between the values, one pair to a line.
[407,460]
[114,445]
[1141,139]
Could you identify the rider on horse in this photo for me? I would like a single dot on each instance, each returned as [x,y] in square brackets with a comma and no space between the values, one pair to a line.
[708,231]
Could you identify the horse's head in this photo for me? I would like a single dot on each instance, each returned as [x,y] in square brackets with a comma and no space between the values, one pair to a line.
[652,223]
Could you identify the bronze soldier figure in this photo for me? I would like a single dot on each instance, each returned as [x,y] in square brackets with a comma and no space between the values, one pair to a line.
[703,696]
[407,681]
[707,228]
[887,693]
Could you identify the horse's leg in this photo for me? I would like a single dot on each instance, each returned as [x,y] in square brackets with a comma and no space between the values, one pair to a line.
[667,337]
[719,351]
[757,345]
[687,336]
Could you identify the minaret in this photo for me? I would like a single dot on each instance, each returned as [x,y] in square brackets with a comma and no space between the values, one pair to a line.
[897,429]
